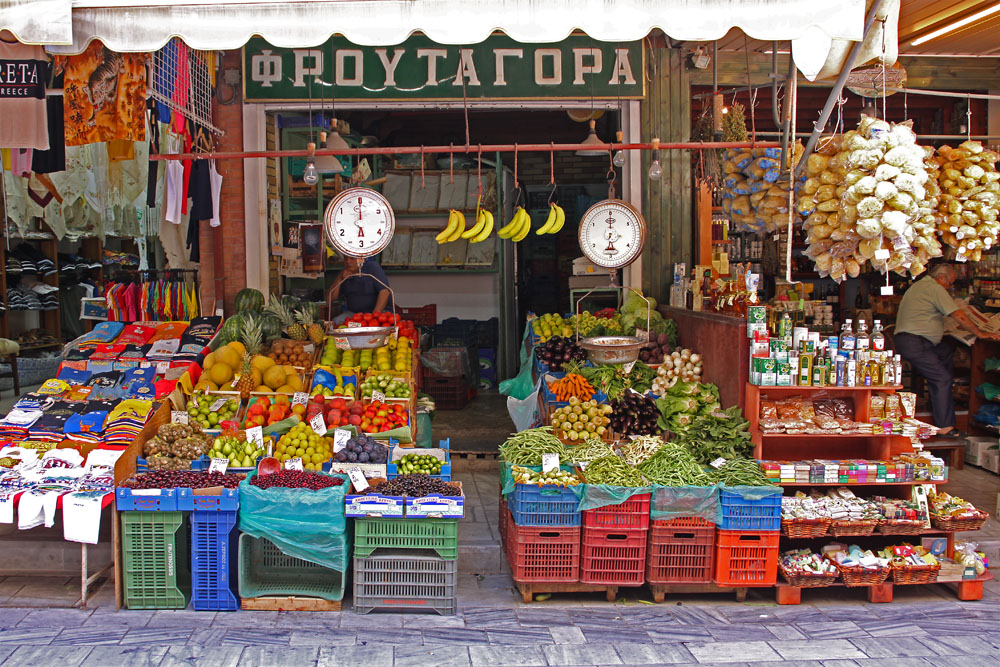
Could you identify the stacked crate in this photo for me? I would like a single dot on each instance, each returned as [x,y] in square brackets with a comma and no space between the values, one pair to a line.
[746,546]
[541,534]
[614,543]
[155,557]
[681,551]
[214,545]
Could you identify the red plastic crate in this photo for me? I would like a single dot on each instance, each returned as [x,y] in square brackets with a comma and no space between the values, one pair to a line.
[503,520]
[543,553]
[746,558]
[632,514]
[680,554]
[422,316]
[612,556]
[684,522]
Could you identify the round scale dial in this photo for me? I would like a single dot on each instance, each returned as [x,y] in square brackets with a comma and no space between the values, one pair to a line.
[612,233]
[359,222]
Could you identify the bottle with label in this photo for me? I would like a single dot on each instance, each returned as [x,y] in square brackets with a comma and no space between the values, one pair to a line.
[851,369]
[847,340]
[841,371]
[785,326]
[897,370]
[878,337]
[862,341]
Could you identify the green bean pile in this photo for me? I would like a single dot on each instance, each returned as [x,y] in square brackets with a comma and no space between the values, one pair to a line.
[639,448]
[611,470]
[526,448]
[588,450]
[741,472]
[674,465]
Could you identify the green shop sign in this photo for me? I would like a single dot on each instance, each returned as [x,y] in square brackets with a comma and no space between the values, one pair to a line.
[419,69]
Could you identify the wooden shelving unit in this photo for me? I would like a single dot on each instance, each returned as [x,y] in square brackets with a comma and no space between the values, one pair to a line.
[786,447]
[981,351]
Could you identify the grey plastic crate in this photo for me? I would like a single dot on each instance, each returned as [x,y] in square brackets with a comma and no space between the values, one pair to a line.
[398,579]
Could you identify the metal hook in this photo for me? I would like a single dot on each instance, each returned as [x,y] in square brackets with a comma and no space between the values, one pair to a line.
[479,171]
[552,171]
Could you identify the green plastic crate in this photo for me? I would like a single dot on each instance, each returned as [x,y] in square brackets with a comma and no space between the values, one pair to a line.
[156,560]
[266,570]
[439,535]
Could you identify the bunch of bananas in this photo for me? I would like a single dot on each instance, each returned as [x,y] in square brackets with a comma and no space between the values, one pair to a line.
[555,221]
[518,227]
[456,227]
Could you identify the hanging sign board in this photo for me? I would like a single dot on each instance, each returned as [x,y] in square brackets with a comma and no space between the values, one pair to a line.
[499,68]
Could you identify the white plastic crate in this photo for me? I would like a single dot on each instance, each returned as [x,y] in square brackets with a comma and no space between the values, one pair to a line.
[398,579]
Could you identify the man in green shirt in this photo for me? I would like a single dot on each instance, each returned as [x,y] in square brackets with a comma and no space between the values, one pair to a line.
[918,339]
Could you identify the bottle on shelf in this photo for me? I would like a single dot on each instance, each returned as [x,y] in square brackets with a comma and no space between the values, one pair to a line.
[851,370]
[878,337]
[897,370]
[847,340]
[862,341]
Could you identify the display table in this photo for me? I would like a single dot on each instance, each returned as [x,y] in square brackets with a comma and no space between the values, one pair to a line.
[721,340]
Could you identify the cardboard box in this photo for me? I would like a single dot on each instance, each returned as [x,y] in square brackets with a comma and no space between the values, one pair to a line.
[434,506]
[989,459]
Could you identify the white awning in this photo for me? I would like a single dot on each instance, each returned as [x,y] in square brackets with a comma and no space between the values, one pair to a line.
[38,21]
[129,26]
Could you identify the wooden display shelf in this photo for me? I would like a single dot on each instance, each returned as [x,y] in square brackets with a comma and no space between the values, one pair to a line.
[289,603]
[802,484]
[809,389]
[967,590]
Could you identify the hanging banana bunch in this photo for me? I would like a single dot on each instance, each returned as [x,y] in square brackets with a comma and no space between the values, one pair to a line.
[520,222]
[483,227]
[555,221]
[455,228]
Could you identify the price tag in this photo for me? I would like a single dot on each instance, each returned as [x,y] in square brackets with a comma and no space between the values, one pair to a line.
[218,465]
[300,398]
[582,465]
[357,479]
[378,396]
[882,253]
[162,367]
[354,325]
[219,312]
[218,405]
[886,290]
[293,464]
[718,463]
[318,424]
[550,462]
[256,436]
[341,343]
[628,367]
[178,417]
[340,438]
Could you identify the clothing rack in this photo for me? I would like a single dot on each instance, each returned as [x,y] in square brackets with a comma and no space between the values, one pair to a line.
[153,294]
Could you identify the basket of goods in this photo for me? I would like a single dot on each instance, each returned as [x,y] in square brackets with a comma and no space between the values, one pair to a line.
[911,565]
[902,517]
[804,569]
[803,516]
[851,515]
[951,513]
[857,567]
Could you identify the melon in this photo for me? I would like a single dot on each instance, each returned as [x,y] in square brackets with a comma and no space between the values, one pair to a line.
[249,299]
[274,377]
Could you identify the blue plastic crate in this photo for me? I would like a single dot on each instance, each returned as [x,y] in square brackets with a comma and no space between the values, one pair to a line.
[214,544]
[550,398]
[227,501]
[200,465]
[146,500]
[762,514]
[392,470]
[551,505]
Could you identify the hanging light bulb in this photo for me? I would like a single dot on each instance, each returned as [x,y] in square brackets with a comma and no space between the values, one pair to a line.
[619,159]
[309,175]
[655,170]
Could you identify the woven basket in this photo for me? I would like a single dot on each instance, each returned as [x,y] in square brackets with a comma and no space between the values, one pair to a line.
[805,527]
[803,580]
[860,576]
[901,527]
[959,524]
[915,574]
[845,528]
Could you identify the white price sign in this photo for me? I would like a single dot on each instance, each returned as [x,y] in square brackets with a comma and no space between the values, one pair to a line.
[340,438]
[341,343]
[550,462]
[218,465]
[718,463]
[318,424]
[378,396]
[178,417]
[218,404]
[357,479]
[882,253]
[256,436]
[354,325]
[300,398]
[293,464]
[628,367]
[886,290]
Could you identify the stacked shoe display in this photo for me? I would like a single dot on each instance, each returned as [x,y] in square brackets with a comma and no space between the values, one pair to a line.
[31,260]
[73,263]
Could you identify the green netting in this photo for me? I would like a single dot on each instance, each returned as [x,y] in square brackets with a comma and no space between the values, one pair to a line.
[300,522]
[507,481]
[674,502]
[753,492]
[599,495]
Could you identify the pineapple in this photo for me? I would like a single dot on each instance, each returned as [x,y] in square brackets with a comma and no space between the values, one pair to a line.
[296,330]
[251,335]
[285,316]
[314,331]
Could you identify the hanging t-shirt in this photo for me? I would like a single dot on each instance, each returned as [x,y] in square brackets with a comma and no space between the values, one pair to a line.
[105,95]
[54,159]
[23,73]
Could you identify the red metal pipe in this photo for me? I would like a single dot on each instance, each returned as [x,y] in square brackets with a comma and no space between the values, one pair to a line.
[473,148]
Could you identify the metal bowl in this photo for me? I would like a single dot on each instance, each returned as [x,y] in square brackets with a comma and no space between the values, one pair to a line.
[361,338]
[612,349]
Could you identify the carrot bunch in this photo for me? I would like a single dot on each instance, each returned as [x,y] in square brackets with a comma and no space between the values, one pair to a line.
[572,384]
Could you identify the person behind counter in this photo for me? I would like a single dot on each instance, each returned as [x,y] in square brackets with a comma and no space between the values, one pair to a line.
[918,339]
[361,294]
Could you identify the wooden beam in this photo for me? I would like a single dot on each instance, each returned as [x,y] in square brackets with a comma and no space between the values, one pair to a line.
[922,71]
